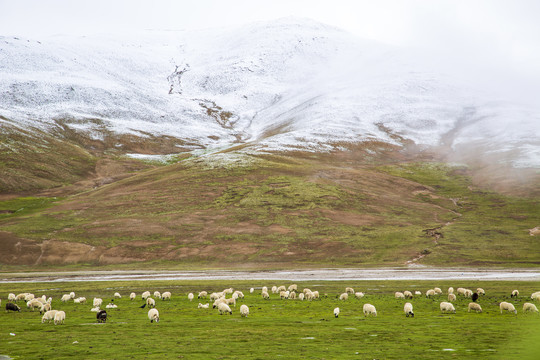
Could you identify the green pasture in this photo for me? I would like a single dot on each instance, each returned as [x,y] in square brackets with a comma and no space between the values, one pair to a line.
[275,329]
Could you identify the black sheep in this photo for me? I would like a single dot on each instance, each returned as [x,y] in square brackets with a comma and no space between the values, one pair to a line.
[101,316]
[474,297]
[12,307]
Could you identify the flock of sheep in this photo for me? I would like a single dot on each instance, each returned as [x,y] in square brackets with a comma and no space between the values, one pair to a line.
[223,300]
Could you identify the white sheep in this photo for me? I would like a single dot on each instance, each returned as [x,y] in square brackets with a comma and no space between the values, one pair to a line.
[44,308]
[224,308]
[190,296]
[359,295]
[228,291]
[468,293]
[284,294]
[399,295]
[292,295]
[153,315]
[475,306]
[117,295]
[238,294]
[28,297]
[529,307]
[230,301]
[450,290]
[536,296]
[430,293]
[244,310]
[166,295]
[21,296]
[447,307]
[408,309]
[274,289]
[214,296]
[157,294]
[369,310]
[111,306]
[265,295]
[65,297]
[48,316]
[59,317]
[80,300]
[451,297]
[336,312]
[132,296]
[480,291]
[315,294]
[264,289]
[251,290]
[12,297]
[508,307]
[461,291]
[301,296]
[292,287]
[437,290]
[95,309]
[281,288]
[150,302]
[418,293]
[344,296]
[515,293]
[202,295]
[203,306]
[72,295]
[408,294]
[145,295]
[34,303]
[349,290]
[97,302]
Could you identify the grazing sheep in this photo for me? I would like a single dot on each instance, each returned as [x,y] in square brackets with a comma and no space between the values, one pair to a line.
[217,302]
[28,297]
[12,297]
[515,293]
[244,310]
[12,307]
[150,302]
[224,308]
[101,316]
[239,294]
[480,291]
[265,295]
[97,302]
[336,312]
[166,295]
[190,296]
[59,317]
[474,297]
[508,307]
[264,289]
[153,315]
[145,295]
[359,295]
[468,293]
[344,296]
[157,294]
[274,289]
[132,296]
[80,300]
[251,290]
[399,295]
[461,291]
[408,294]
[228,291]
[117,295]
[437,290]
[315,295]
[72,295]
[20,297]
[536,296]
[235,296]
[451,297]
[214,296]
[48,316]
[281,288]
[349,290]
[95,309]
[450,290]
[529,307]
[44,308]
[292,287]
[284,294]
[34,303]
[430,293]
[203,306]
[475,306]
[369,310]
[447,307]
[65,297]
[292,295]
[418,293]
[111,306]
[301,296]
[408,309]
[231,301]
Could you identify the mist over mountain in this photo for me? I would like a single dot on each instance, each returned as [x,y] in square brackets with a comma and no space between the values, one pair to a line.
[289,84]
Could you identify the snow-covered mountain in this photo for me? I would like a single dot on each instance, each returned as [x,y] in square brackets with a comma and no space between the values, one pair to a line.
[281,85]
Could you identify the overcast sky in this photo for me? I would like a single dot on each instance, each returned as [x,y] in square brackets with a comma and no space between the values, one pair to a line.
[500,33]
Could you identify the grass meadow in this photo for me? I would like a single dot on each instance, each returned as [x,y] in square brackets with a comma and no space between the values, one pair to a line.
[275,328]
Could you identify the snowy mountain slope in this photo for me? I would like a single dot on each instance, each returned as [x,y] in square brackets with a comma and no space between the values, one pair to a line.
[287,84]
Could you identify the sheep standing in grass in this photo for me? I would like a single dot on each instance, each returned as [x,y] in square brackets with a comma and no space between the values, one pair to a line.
[408,294]
[166,295]
[145,295]
[536,296]
[95,309]
[150,302]
[419,293]
[461,291]
[157,294]
[117,295]
[399,295]
[506,306]
[480,291]
[430,293]
[65,297]
[284,294]
[97,302]
[529,307]
[344,296]
[475,307]
[34,303]
[101,316]
[447,307]
[336,312]
[12,297]
[450,290]
[203,306]
[292,287]
[251,290]
[264,288]
[451,297]
[358,295]
[244,310]
[12,307]
[408,309]
[315,295]
[132,296]
[437,290]
[153,315]
[202,295]
[48,316]
[190,296]
[274,289]
[369,309]
[301,296]
[515,293]
[223,308]
[72,295]
[349,290]
[265,295]
[59,317]
[44,308]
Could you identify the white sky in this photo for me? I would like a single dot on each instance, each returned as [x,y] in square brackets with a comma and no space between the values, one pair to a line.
[496,33]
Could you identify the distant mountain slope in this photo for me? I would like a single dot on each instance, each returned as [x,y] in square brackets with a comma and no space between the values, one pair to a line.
[291,84]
